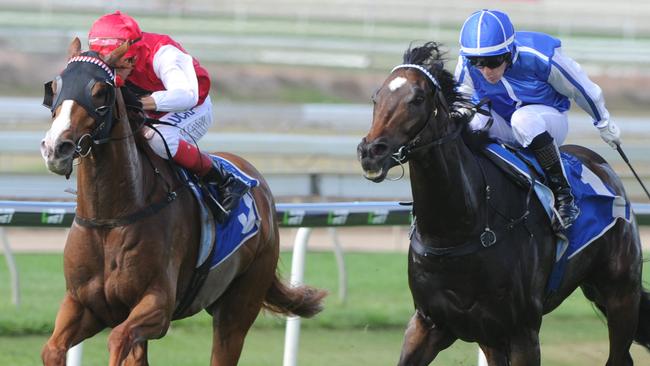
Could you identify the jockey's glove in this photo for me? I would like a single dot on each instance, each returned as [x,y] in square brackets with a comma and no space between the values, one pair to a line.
[130,98]
[611,134]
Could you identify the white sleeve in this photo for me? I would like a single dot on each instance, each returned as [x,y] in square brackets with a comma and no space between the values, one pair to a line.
[176,71]
[466,85]
[568,78]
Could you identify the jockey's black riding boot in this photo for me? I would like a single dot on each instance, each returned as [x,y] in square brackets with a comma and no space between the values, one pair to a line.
[230,188]
[548,156]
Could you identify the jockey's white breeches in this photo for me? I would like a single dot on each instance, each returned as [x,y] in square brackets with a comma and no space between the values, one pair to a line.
[526,124]
[189,125]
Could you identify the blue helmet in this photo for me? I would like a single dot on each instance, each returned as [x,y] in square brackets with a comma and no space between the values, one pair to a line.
[487,33]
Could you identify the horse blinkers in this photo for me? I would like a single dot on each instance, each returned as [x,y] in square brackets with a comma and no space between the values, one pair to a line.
[97,97]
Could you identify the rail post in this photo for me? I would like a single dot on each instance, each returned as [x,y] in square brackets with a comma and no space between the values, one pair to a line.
[13,270]
[292,333]
[73,357]
[482,361]
[340,262]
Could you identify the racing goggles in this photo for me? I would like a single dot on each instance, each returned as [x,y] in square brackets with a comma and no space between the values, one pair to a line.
[104,46]
[491,62]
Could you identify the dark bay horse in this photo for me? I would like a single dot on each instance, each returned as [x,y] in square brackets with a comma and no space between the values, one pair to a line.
[495,296]
[130,256]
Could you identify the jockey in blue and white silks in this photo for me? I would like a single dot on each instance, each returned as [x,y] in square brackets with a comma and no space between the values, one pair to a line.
[530,83]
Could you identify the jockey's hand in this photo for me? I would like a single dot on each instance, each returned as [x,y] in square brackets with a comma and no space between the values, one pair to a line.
[130,98]
[611,134]
[148,103]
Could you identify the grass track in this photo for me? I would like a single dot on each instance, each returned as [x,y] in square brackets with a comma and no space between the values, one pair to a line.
[367,330]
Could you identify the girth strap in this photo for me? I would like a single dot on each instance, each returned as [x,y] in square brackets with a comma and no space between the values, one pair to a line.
[454,251]
[484,241]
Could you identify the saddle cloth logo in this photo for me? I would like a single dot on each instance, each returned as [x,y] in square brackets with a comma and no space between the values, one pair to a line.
[219,241]
[599,206]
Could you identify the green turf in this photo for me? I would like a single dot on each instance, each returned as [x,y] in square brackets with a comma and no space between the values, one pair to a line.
[366,330]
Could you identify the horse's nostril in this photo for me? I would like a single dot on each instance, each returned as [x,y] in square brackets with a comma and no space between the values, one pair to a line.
[65,149]
[362,152]
[379,149]
[45,152]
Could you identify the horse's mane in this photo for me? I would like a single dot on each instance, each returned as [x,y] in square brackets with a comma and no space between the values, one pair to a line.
[431,57]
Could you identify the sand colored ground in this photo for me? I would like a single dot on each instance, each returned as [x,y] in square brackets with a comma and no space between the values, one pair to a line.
[351,239]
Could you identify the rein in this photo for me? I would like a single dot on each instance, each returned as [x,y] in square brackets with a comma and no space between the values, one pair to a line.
[487,237]
[415,144]
[145,212]
[401,156]
[103,115]
[101,135]
[79,148]
[95,223]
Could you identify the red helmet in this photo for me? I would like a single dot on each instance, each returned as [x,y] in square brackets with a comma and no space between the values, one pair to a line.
[111,30]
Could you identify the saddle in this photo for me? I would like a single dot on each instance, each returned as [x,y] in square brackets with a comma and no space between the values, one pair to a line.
[219,238]
[600,206]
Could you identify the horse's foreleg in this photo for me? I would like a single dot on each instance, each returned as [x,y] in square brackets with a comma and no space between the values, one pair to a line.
[138,355]
[74,323]
[494,356]
[524,348]
[423,342]
[149,319]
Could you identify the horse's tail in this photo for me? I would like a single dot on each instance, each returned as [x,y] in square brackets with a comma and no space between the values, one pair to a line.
[642,335]
[303,301]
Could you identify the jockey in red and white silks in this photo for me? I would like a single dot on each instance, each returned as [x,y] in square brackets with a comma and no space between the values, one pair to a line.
[174,88]
[530,83]
[179,88]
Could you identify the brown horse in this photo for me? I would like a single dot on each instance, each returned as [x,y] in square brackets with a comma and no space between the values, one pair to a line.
[130,256]
[467,284]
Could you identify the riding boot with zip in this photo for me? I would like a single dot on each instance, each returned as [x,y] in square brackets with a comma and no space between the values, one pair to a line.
[231,189]
[548,156]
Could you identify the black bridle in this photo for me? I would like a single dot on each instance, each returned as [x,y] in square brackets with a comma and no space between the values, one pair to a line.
[488,236]
[416,143]
[87,70]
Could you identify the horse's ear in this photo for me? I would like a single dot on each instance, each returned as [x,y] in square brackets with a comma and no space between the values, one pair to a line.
[75,48]
[117,54]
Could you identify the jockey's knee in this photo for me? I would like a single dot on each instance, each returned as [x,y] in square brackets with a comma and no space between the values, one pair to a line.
[526,126]
[160,146]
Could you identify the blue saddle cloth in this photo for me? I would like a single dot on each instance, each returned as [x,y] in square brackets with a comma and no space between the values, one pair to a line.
[219,241]
[599,206]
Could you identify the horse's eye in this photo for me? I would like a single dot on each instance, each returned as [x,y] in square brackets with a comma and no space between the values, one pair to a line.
[100,95]
[417,100]
[101,92]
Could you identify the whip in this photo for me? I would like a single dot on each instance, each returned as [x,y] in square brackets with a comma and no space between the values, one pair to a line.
[620,151]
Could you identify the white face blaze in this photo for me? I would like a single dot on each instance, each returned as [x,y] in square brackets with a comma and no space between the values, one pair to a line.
[60,124]
[396,83]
